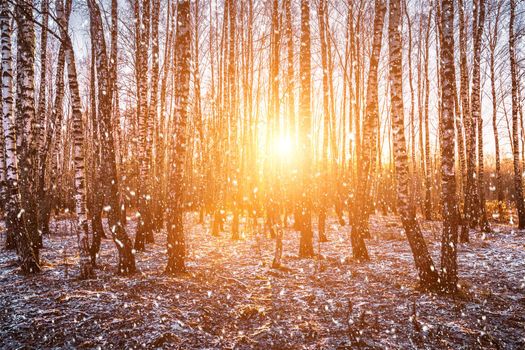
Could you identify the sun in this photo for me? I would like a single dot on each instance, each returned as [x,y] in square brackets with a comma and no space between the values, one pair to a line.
[283,147]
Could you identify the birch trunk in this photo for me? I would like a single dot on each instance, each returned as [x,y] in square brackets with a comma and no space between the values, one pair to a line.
[53,137]
[469,207]
[26,120]
[142,28]
[476,114]
[86,267]
[428,275]
[126,264]
[448,177]
[360,226]
[176,241]
[492,63]
[518,182]
[14,219]
[156,219]
[325,178]
[41,119]
[290,94]
[428,164]
[2,165]
[306,248]
[413,169]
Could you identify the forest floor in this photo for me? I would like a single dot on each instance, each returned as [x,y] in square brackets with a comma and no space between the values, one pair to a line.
[232,298]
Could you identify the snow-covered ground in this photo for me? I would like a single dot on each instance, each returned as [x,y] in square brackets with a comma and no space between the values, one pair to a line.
[232,298]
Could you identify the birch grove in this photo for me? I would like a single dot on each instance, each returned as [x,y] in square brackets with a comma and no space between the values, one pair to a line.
[316,117]
[266,174]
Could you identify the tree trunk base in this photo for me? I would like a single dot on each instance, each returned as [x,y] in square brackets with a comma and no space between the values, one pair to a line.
[30,267]
[140,245]
[87,272]
[464,234]
[216,225]
[306,247]
[235,227]
[126,265]
[359,251]
[174,269]
[10,243]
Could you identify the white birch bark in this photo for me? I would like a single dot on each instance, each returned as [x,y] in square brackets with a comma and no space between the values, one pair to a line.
[14,210]
[86,267]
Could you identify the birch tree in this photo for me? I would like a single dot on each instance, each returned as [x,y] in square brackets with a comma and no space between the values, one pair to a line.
[493,30]
[306,248]
[126,264]
[428,275]
[14,219]
[518,182]
[52,138]
[176,241]
[469,207]
[448,175]
[86,267]
[26,136]
[142,35]
[41,115]
[371,122]
[477,120]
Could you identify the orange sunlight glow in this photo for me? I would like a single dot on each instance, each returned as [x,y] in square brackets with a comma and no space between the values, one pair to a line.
[283,147]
